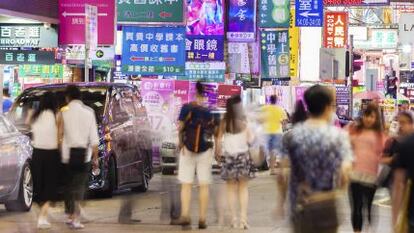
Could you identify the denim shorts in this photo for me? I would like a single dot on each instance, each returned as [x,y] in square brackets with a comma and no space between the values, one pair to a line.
[274,144]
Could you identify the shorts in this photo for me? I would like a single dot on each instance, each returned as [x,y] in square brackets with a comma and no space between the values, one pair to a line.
[274,145]
[191,162]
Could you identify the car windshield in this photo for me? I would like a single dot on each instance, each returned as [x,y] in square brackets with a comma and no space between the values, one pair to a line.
[28,102]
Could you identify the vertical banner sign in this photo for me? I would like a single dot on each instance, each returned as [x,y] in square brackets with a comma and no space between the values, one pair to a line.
[238,60]
[72,21]
[150,11]
[336,30]
[205,17]
[91,26]
[242,20]
[225,92]
[153,50]
[294,34]
[309,13]
[204,48]
[275,54]
[274,13]
[343,101]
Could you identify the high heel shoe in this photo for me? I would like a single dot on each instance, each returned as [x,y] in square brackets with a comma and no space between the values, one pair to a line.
[244,225]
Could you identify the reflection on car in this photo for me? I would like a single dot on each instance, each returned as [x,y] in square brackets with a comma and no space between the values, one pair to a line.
[125,148]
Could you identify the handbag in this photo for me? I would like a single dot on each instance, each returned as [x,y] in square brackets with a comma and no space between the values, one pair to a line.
[77,159]
[401,225]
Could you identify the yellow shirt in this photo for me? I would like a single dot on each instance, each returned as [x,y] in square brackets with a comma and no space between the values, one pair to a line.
[273,118]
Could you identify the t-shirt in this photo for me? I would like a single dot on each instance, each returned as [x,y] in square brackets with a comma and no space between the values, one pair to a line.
[316,154]
[7,104]
[274,116]
[191,113]
[405,160]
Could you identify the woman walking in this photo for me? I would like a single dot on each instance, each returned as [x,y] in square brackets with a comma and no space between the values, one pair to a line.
[46,158]
[368,140]
[233,141]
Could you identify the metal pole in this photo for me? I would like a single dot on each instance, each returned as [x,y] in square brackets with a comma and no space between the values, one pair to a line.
[1,88]
[351,74]
[86,63]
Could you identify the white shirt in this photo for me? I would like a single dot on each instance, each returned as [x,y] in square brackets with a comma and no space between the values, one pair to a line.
[79,129]
[44,131]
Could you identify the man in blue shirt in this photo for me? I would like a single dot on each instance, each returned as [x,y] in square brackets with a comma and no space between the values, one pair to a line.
[7,102]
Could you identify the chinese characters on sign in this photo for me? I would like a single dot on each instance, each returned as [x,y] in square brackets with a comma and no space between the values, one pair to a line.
[379,39]
[204,48]
[42,71]
[309,13]
[275,54]
[343,101]
[238,58]
[356,2]
[153,50]
[294,33]
[28,35]
[17,57]
[242,20]
[336,30]
[205,17]
[205,71]
[274,13]
[150,11]
[91,26]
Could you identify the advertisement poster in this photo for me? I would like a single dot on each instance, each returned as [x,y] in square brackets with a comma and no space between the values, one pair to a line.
[343,101]
[158,98]
[225,92]
[275,54]
[356,2]
[72,21]
[294,33]
[238,60]
[274,13]
[335,30]
[309,13]
[153,50]
[150,11]
[210,94]
[205,18]
[204,48]
[181,92]
[283,94]
[242,20]
[300,93]
[204,71]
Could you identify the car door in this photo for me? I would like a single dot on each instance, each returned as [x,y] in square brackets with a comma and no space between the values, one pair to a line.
[123,135]
[10,156]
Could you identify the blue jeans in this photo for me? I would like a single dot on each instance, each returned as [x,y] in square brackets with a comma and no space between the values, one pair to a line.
[274,145]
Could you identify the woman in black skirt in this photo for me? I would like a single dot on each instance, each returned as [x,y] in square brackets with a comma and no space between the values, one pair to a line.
[46,158]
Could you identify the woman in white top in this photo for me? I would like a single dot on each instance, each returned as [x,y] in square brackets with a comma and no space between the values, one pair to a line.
[233,145]
[46,158]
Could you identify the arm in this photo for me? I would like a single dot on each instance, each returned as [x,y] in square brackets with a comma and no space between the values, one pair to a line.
[218,139]
[59,123]
[398,193]
[180,135]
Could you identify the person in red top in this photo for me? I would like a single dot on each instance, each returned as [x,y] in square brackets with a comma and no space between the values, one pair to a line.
[368,141]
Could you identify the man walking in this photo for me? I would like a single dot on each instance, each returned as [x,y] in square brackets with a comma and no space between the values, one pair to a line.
[196,156]
[79,135]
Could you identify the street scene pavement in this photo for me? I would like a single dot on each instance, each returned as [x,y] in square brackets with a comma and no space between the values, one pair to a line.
[265,216]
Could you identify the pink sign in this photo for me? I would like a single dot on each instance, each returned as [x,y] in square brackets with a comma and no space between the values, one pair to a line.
[72,21]
[225,92]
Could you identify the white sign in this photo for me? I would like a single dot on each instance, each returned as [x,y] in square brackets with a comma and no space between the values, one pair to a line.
[103,54]
[406,28]
[239,58]
[91,26]
[205,65]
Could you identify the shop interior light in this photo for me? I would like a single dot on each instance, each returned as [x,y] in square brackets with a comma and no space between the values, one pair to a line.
[406,48]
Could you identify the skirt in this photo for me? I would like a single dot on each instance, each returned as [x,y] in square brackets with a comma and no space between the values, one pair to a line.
[45,168]
[237,167]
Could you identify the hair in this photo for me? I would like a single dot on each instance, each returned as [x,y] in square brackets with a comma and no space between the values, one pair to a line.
[6,92]
[232,118]
[371,108]
[300,114]
[408,115]
[273,99]
[317,99]
[199,88]
[47,102]
[73,92]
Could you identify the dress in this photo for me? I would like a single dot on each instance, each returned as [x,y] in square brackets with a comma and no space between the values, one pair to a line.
[237,163]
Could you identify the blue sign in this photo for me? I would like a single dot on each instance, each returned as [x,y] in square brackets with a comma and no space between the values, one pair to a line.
[309,13]
[205,48]
[153,50]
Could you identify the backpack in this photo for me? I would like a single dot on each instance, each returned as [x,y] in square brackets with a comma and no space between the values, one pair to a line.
[198,129]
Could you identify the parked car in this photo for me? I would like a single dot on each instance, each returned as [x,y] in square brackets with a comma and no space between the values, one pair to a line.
[16,184]
[125,148]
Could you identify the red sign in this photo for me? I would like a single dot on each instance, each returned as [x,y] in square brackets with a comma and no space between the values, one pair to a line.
[335,30]
[225,92]
[342,2]
[72,21]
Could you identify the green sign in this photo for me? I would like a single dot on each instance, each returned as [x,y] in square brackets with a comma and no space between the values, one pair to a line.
[274,13]
[150,11]
[275,54]
[42,71]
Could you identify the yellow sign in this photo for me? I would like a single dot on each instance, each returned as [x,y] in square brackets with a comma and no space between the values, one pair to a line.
[294,34]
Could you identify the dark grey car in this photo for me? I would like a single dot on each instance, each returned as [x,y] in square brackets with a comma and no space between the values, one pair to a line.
[16,185]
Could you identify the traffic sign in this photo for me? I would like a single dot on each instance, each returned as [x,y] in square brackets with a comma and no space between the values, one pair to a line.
[309,13]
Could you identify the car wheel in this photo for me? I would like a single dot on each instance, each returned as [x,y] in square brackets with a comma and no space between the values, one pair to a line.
[146,176]
[25,197]
[110,179]
[168,171]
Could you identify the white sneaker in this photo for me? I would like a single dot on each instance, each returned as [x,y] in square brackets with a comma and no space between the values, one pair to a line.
[76,225]
[43,224]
